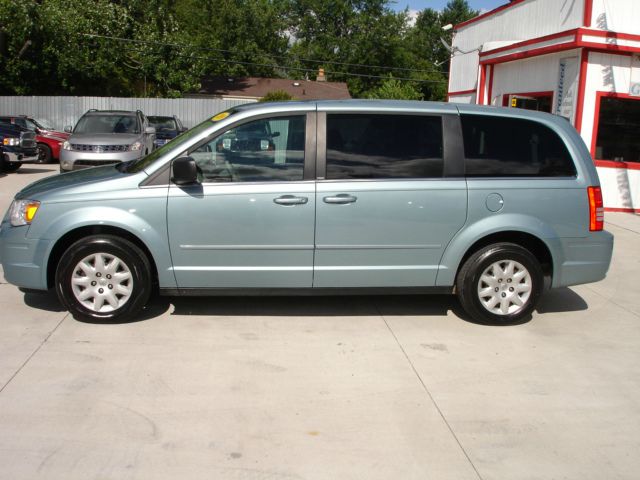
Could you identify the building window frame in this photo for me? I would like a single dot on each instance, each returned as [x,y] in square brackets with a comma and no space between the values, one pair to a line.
[596,126]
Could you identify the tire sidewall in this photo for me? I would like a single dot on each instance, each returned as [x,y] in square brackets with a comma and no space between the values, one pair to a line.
[128,253]
[46,151]
[480,262]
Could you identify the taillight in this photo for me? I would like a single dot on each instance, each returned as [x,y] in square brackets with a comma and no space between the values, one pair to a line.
[596,209]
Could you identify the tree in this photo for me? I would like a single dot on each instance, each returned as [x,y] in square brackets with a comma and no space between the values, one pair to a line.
[277,96]
[393,89]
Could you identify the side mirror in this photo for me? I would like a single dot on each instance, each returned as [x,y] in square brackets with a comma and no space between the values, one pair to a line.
[275,134]
[185,171]
[150,130]
[68,129]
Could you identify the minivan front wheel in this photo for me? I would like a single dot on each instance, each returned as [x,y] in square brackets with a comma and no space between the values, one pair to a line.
[500,284]
[103,278]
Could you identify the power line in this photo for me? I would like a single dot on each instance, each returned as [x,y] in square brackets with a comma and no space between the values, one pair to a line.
[308,60]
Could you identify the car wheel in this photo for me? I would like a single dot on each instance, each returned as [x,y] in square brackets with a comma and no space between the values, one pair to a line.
[103,278]
[10,167]
[500,284]
[44,153]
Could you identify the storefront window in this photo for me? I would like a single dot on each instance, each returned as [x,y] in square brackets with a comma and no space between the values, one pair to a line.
[618,127]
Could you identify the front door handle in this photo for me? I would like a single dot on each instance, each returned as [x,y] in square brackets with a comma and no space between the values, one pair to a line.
[290,200]
[340,199]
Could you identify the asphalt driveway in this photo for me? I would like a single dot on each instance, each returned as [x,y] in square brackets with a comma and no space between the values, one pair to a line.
[325,388]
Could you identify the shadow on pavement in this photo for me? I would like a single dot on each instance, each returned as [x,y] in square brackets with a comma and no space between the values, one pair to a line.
[554,301]
[23,170]
[561,300]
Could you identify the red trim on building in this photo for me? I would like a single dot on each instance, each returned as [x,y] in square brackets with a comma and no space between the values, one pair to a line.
[482,84]
[578,42]
[588,12]
[596,126]
[608,34]
[490,95]
[488,14]
[533,41]
[612,164]
[505,96]
[462,92]
[622,210]
[582,86]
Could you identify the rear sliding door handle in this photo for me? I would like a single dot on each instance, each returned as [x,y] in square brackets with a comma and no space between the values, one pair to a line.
[340,199]
[290,200]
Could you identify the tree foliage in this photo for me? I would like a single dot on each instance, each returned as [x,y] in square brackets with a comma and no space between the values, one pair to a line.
[165,47]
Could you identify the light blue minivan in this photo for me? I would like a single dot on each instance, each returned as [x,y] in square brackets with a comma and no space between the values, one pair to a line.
[491,204]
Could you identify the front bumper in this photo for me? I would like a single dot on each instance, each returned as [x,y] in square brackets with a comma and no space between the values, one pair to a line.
[26,156]
[22,258]
[74,160]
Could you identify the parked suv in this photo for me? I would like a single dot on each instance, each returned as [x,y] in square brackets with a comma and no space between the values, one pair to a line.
[323,198]
[167,128]
[49,141]
[106,137]
[18,146]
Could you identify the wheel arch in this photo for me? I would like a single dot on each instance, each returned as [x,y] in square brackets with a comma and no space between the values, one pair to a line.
[72,236]
[540,239]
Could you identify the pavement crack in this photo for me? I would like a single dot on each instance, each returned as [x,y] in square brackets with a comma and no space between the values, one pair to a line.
[33,353]
[426,389]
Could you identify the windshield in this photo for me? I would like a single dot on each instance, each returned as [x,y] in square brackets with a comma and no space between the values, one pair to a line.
[31,125]
[42,123]
[173,145]
[107,124]
[163,123]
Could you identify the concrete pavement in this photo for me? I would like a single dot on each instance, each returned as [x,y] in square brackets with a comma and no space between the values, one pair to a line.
[325,388]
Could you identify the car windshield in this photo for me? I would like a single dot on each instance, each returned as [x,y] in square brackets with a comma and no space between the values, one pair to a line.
[31,125]
[173,145]
[107,124]
[163,123]
[43,123]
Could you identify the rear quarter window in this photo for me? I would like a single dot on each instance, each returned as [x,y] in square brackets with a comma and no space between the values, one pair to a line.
[512,147]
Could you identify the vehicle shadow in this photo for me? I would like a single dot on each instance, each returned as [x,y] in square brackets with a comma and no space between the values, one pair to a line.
[554,301]
[31,170]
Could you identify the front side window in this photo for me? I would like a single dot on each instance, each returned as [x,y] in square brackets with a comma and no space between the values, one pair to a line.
[367,146]
[618,126]
[265,150]
[512,147]
[108,124]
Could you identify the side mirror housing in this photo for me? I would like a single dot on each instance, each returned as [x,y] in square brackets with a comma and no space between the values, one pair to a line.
[185,171]
[68,129]
[150,130]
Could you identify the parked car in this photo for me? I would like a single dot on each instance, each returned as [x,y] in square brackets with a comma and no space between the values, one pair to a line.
[354,197]
[167,128]
[107,137]
[49,141]
[18,147]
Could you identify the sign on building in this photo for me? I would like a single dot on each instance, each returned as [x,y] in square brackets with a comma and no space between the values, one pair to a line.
[567,87]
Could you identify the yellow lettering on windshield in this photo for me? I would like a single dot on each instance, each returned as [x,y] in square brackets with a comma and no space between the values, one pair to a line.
[220,116]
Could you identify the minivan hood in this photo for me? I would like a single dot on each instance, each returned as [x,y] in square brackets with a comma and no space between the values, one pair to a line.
[96,179]
[104,138]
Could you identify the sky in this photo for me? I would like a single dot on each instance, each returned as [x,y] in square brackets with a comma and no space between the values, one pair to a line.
[482,5]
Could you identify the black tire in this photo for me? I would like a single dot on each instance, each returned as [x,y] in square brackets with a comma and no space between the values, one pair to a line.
[44,153]
[133,266]
[10,167]
[517,292]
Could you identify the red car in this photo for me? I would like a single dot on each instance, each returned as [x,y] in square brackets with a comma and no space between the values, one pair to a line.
[49,140]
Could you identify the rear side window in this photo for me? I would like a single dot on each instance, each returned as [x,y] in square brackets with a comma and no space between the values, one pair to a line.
[364,146]
[511,147]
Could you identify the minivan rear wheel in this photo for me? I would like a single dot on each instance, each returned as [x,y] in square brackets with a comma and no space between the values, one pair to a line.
[500,284]
[103,278]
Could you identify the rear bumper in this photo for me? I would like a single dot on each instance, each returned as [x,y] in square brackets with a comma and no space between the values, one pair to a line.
[585,260]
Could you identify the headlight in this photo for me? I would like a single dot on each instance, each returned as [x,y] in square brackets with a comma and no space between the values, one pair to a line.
[23,211]
[134,147]
[11,141]
[66,146]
